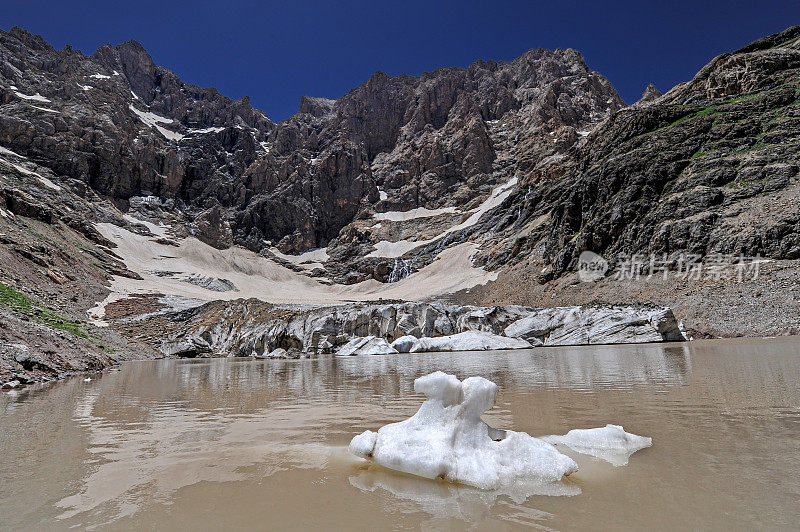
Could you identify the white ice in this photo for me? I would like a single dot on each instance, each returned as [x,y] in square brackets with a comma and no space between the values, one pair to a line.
[448,439]
[463,341]
[610,443]
[368,345]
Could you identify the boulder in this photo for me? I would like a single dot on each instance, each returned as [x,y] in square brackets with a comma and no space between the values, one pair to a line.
[213,228]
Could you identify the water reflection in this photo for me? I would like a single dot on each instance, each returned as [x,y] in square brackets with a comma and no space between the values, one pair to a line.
[139,446]
[443,500]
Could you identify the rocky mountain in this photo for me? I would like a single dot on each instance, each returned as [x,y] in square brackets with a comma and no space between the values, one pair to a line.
[710,167]
[127,128]
[132,195]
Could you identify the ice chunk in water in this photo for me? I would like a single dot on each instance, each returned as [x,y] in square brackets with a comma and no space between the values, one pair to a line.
[610,443]
[448,439]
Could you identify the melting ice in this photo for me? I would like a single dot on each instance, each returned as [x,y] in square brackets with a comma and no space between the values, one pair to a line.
[448,439]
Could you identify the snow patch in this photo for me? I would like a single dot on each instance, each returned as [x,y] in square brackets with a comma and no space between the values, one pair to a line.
[206,130]
[448,439]
[153,120]
[390,250]
[36,97]
[383,195]
[45,109]
[419,212]
[158,230]
[102,76]
[398,249]
[318,255]
[46,182]
[84,87]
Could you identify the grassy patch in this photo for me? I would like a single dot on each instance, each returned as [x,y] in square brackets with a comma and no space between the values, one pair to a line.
[22,304]
[707,111]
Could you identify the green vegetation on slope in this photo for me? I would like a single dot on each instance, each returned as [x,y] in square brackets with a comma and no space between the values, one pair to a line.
[22,304]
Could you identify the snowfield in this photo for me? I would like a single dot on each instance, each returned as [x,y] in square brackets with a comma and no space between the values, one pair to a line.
[262,278]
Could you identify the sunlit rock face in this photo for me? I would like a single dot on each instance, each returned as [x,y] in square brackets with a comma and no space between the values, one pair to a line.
[127,127]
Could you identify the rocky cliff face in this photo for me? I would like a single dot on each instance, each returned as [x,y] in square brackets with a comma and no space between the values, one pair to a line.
[710,167]
[128,128]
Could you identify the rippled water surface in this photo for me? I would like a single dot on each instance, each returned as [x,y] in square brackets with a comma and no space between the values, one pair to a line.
[226,443]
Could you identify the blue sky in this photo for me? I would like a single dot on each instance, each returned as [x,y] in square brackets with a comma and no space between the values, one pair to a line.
[275,52]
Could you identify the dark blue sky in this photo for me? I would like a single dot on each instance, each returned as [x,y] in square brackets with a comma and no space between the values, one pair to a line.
[276,51]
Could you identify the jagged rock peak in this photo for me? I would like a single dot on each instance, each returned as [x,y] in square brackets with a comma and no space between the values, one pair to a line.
[650,93]
[316,106]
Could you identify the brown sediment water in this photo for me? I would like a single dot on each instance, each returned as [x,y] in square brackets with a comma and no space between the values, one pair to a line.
[236,443]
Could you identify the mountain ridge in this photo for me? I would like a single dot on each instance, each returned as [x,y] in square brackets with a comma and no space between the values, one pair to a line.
[129,194]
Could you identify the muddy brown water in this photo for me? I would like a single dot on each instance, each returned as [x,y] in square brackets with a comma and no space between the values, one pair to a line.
[232,444]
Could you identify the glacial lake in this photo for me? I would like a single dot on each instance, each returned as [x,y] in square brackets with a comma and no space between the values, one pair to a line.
[235,443]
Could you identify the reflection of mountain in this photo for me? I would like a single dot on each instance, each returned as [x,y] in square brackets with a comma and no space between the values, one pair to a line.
[348,378]
[562,367]
[443,500]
